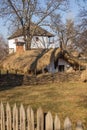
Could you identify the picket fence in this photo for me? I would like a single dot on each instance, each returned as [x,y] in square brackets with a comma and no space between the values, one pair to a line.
[24,119]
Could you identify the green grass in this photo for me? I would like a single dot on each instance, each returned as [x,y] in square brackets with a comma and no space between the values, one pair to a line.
[65,99]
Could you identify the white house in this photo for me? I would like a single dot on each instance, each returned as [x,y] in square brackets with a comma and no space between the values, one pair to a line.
[41,39]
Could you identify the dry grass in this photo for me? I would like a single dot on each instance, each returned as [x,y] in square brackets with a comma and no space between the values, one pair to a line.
[84,76]
[66,99]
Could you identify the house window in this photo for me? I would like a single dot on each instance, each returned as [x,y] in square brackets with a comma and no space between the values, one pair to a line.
[37,39]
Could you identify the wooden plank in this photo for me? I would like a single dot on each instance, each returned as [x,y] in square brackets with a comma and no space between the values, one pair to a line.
[22,118]
[57,123]
[49,122]
[2,117]
[15,118]
[30,119]
[40,119]
[67,124]
[79,126]
[8,116]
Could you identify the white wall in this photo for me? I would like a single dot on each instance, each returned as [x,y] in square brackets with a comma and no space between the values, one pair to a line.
[51,67]
[43,42]
[12,46]
[63,62]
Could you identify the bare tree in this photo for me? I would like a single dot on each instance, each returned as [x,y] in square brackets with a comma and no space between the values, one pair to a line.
[81,41]
[23,12]
[82,4]
[66,33]
[3,47]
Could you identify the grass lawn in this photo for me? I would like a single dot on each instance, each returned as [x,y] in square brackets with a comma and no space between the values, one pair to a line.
[66,99]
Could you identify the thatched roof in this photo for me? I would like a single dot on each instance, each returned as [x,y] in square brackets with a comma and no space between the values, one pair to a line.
[73,60]
[37,59]
[29,60]
[84,76]
[21,62]
[38,31]
[45,59]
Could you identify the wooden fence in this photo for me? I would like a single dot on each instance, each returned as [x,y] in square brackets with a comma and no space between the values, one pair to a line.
[24,119]
[8,72]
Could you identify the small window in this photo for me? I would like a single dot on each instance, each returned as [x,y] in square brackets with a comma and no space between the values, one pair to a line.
[37,39]
[61,68]
[16,40]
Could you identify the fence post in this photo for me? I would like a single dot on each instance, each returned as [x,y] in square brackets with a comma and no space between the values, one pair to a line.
[40,119]
[30,119]
[16,72]
[49,121]
[79,126]
[56,123]
[22,117]
[15,117]
[8,116]
[67,124]
[2,116]
[0,72]
[7,72]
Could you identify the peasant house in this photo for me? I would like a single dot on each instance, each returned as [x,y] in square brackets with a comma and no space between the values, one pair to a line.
[41,39]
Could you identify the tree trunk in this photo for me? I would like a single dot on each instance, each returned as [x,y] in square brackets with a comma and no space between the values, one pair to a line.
[29,39]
